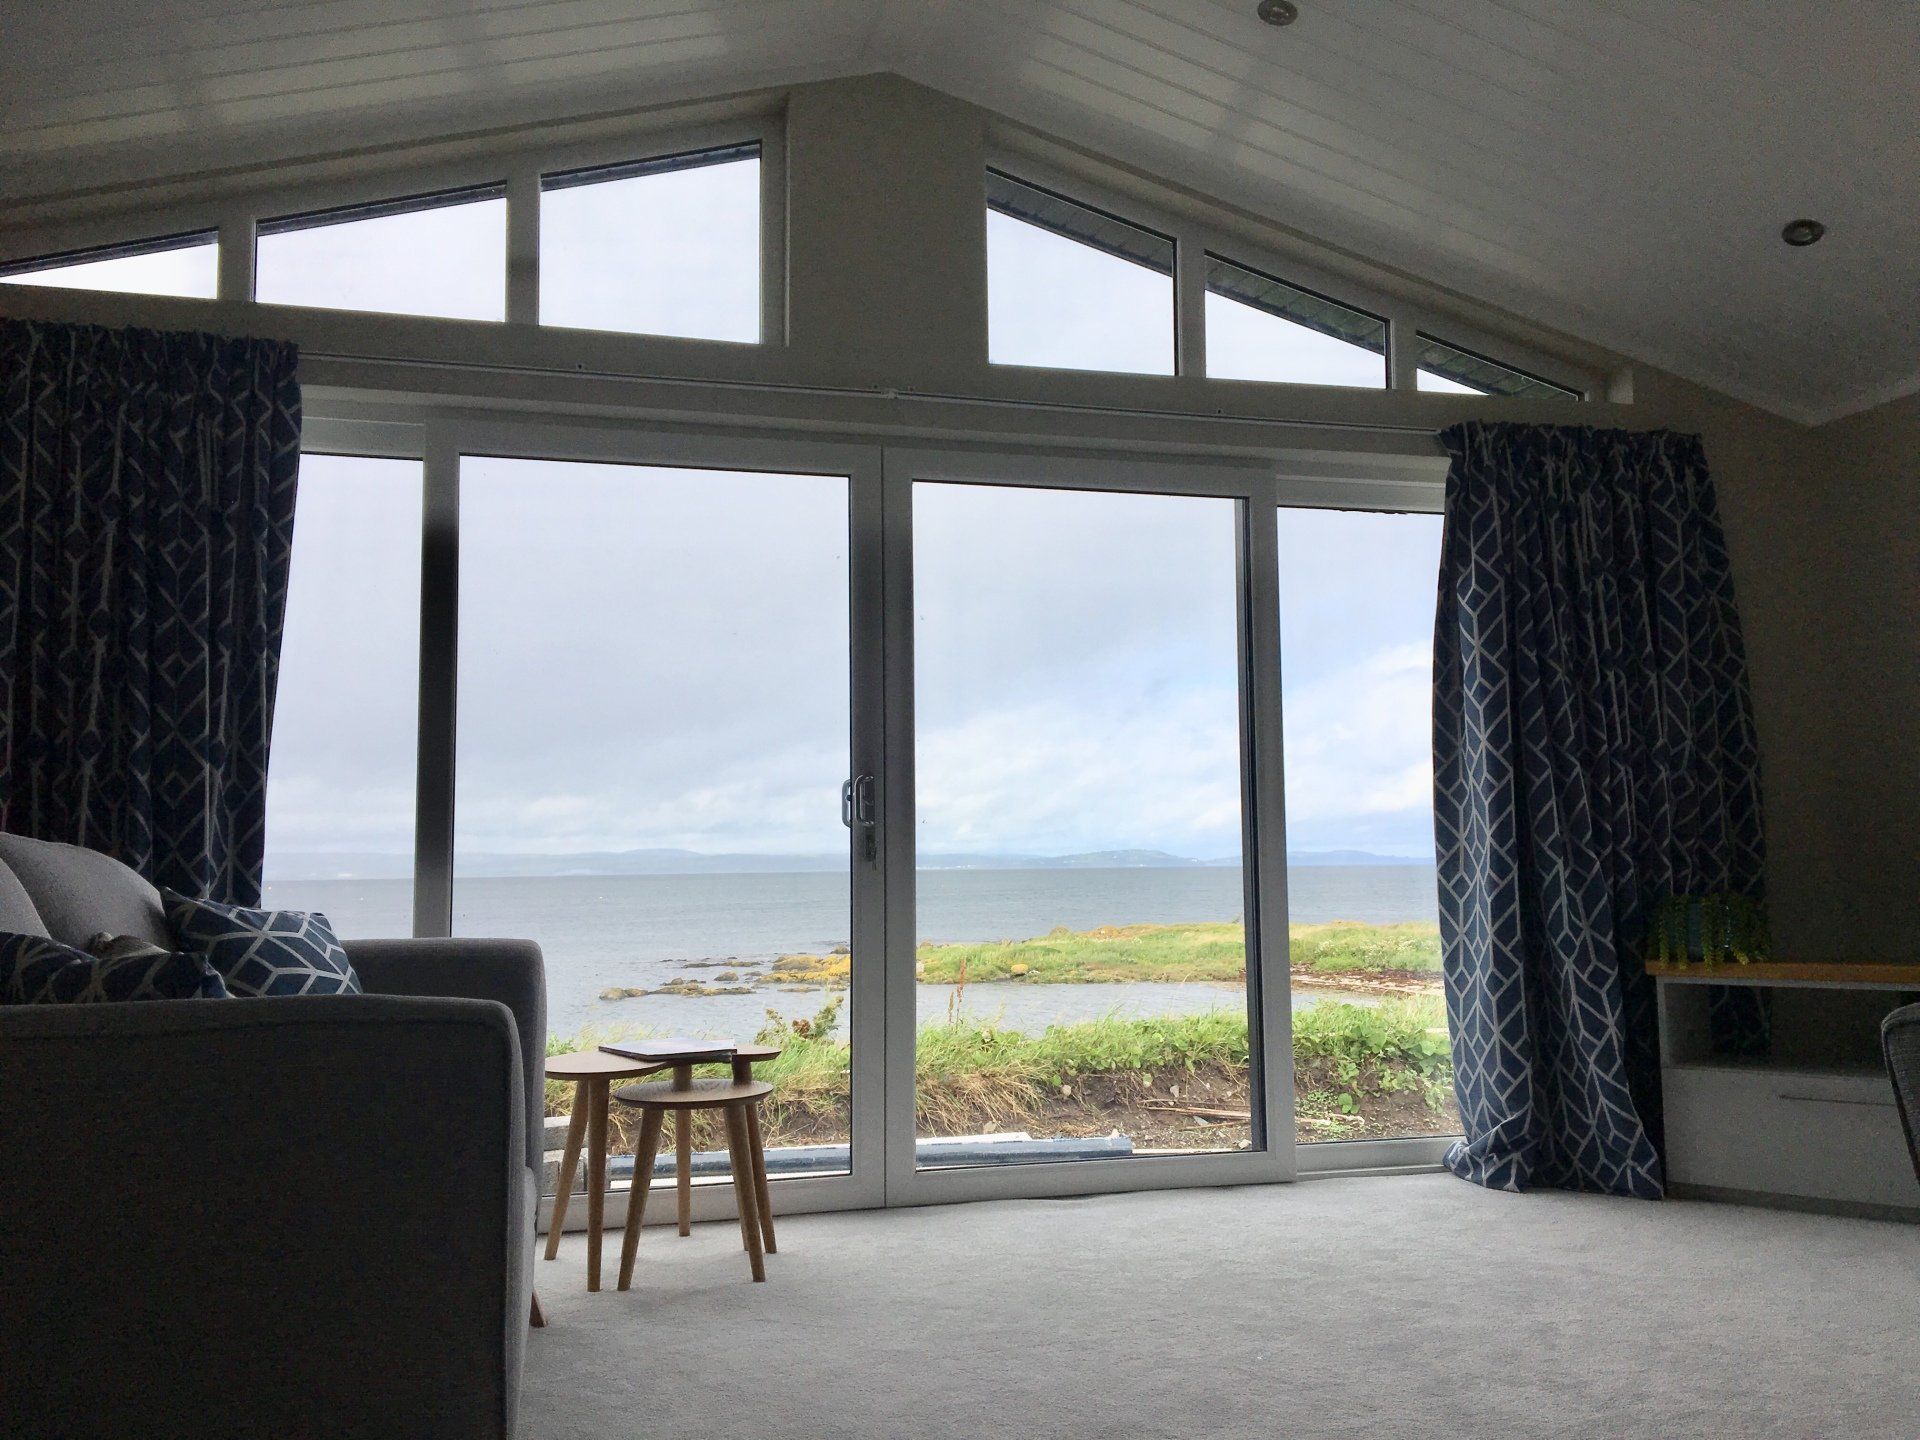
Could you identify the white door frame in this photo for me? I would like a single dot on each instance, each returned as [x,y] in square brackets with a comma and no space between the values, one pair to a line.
[880,476]
[1263,806]
[643,446]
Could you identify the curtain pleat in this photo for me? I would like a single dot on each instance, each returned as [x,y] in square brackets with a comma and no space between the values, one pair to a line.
[1594,752]
[147,488]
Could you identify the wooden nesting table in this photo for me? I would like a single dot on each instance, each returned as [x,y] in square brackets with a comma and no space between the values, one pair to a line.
[734,1101]
[593,1073]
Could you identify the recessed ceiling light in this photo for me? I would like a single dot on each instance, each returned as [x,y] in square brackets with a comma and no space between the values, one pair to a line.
[1278,12]
[1802,232]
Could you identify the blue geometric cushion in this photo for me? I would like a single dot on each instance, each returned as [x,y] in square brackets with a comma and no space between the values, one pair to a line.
[263,952]
[38,971]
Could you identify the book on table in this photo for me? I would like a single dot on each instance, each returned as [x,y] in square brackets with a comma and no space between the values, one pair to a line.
[672,1050]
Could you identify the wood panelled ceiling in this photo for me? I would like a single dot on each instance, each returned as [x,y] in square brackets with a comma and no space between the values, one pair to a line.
[1617,169]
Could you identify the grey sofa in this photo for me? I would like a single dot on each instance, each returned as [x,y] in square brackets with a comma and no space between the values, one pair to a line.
[287,1217]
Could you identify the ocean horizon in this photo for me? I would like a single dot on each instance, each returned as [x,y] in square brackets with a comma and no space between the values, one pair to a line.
[286,866]
[618,931]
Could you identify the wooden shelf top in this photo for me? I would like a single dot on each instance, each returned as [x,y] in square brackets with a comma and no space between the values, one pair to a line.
[1789,972]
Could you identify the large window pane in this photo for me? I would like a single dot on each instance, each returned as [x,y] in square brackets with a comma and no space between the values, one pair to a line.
[654,728]
[660,247]
[184,265]
[443,255]
[1369,1026]
[1072,287]
[1260,328]
[1081,955]
[340,785]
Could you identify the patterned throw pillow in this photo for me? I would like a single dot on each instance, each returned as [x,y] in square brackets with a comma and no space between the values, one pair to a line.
[104,945]
[38,971]
[263,952]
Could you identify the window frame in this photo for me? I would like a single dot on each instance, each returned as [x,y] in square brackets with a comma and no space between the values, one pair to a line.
[1196,238]
[1386,324]
[11,270]
[1068,195]
[1374,493]
[384,207]
[315,188]
[1250,484]
[1284,475]
[1427,337]
[773,267]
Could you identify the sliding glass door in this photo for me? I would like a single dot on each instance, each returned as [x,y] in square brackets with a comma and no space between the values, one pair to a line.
[656,724]
[1370,1048]
[968,779]
[1074,895]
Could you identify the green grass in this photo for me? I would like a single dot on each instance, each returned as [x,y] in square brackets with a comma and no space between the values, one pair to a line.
[1212,951]
[1348,947]
[1349,1059]
[1406,1035]
[974,1076]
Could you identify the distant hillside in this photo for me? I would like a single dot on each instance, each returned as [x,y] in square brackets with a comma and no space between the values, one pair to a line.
[1086,860]
[284,867]
[1350,857]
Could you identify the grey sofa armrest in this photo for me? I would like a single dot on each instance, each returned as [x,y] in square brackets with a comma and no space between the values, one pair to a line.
[262,1217]
[510,971]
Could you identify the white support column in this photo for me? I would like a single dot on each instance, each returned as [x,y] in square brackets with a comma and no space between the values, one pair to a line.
[236,255]
[523,245]
[1189,302]
[1403,349]
[774,246]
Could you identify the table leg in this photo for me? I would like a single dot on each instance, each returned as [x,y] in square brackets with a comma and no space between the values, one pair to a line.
[762,1202]
[569,1164]
[742,1074]
[637,1200]
[597,1088]
[743,1188]
[683,1150]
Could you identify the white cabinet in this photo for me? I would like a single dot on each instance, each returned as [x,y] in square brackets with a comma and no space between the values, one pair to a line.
[1815,1121]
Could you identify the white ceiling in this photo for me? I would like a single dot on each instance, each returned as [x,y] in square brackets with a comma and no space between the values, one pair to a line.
[1618,169]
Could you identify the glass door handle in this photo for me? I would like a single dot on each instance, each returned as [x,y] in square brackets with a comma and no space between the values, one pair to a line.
[856,802]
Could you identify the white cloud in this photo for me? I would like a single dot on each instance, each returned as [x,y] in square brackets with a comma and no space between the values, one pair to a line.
[1063,775]
[1359,745]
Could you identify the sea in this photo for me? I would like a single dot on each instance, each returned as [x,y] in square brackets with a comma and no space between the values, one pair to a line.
[600,932]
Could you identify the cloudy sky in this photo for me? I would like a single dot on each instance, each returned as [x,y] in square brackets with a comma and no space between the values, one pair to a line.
[660,658]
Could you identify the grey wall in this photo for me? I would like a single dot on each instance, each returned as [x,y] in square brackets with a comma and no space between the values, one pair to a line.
[1869,634]
[1773,490]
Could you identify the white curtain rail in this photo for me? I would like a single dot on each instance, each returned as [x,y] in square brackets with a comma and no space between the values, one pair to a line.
[841,392]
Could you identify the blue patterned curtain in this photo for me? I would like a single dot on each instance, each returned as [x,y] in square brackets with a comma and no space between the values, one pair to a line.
[1594,751]
[146,523]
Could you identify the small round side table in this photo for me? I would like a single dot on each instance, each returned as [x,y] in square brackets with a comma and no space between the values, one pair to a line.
[592,1073]
[735,1100]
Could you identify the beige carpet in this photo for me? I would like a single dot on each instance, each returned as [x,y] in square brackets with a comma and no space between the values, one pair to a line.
[1382,1307]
